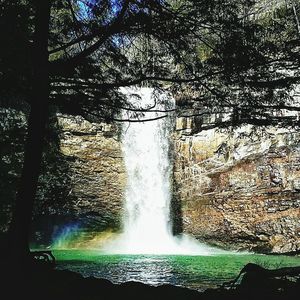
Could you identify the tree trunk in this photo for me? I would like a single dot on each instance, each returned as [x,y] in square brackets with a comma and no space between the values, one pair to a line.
[38,118]
[296,16]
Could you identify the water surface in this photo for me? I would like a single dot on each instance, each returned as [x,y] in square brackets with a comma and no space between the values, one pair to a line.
[196,272]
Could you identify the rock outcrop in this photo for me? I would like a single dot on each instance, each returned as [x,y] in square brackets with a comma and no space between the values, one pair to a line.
[239,189]
[96,170]
[82,175]
[93,180]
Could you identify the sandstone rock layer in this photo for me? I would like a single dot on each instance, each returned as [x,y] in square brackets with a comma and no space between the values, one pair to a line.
[239,189]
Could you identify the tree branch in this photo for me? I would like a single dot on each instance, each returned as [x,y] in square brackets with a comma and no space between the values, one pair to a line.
[114,27]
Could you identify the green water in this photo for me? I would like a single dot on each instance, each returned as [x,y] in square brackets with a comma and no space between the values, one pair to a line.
[196,272]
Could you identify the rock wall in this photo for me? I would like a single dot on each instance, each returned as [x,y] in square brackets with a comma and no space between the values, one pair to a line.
[235,189]
[96,179]
[239,189]
[96,170]
[82,176]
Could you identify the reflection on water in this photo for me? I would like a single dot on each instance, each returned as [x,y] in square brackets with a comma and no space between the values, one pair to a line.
[151,270]
[197,272]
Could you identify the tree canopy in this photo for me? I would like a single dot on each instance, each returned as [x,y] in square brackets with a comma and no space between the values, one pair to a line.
[238,58]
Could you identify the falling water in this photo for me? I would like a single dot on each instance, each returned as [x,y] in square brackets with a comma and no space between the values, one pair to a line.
[147,224]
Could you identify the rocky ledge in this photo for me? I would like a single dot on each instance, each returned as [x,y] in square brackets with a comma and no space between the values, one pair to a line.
[239,189]
[236,189]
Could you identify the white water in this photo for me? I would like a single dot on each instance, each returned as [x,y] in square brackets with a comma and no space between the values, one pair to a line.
[147,224]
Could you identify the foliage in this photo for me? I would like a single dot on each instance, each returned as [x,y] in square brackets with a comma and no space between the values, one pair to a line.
[252,68]
[231,57]
[54,179]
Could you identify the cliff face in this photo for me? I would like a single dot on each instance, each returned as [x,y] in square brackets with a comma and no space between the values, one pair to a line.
[96,170]
[239,189]
[235,189]
[95,179]
[82,175]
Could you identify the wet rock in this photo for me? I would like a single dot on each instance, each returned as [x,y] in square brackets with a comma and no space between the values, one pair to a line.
[245,190]
[82,178]
[231,189]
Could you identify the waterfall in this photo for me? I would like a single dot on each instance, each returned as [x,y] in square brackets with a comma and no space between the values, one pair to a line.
[147,224]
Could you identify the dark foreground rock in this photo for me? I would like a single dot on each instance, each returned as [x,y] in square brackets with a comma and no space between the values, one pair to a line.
[39,280]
